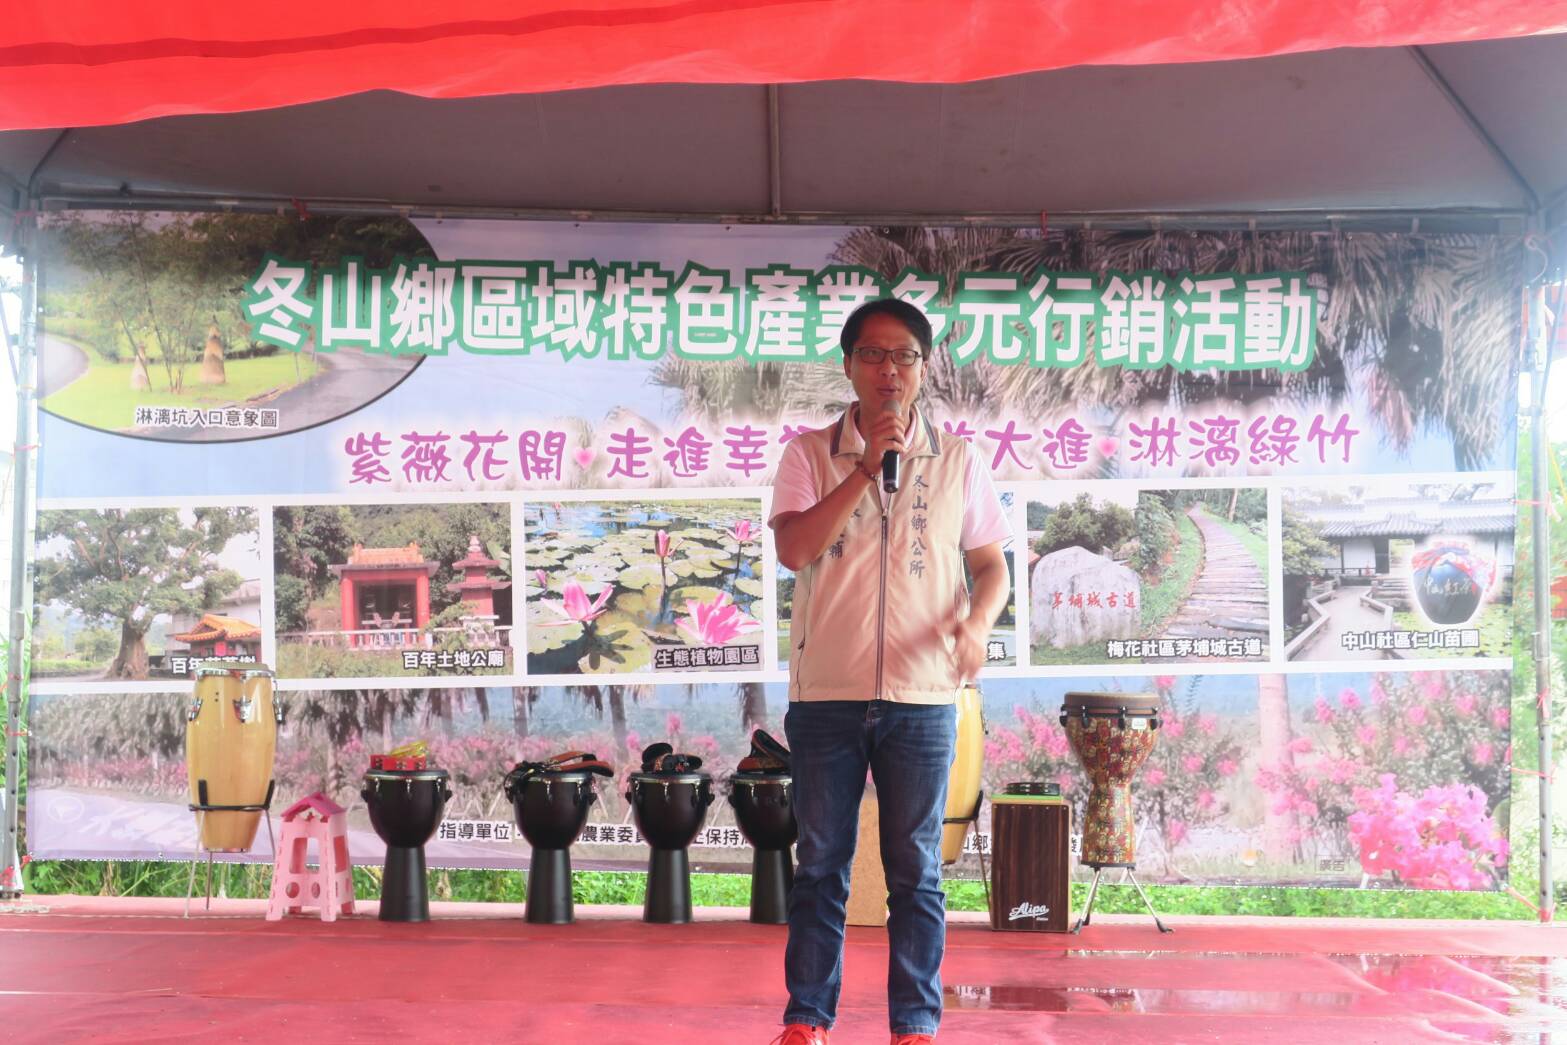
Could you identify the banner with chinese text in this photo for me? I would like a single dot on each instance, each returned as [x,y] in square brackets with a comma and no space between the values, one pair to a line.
[503,486]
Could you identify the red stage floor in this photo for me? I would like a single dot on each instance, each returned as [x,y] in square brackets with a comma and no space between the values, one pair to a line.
[76,969]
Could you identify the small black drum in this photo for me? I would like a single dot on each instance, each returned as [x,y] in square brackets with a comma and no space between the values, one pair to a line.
[670,809]
[551,808]
[764,809]
[405,809]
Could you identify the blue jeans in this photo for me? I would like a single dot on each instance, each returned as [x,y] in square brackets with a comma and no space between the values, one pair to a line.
[908,749]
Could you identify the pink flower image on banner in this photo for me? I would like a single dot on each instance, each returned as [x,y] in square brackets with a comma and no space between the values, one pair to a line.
[575,607]
[1443,838]
[1403,776]
[715,623]
[1255,778]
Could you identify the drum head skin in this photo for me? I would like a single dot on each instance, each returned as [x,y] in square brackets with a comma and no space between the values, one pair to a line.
[670,778]
[1110,703]
[399,775]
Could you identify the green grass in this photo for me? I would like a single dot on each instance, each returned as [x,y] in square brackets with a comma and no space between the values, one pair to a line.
[103,397]
[1496,632]
[42,667]
[298,661]
[1163,600]
[1087,653]
[1254,543]
[126,878]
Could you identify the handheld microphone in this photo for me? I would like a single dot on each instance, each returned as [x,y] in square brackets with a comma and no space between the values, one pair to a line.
[889,460]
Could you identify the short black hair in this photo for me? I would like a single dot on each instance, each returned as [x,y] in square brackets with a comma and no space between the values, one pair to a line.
[905,313]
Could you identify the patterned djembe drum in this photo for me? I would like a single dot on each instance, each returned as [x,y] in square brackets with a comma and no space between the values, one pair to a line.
[1112,735]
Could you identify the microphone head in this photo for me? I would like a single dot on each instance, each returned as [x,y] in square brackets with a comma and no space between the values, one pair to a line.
[891,406]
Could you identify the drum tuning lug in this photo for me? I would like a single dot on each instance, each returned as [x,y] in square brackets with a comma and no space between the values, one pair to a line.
[1120,719]
[364,793]
[1085,718]
[549,790]
[408,786]
[1062,719]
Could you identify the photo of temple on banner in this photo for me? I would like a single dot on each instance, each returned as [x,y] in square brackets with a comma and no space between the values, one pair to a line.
[185,588]
[370,591]
[615,587]
[1119,575]
[167,350]
[1398,570]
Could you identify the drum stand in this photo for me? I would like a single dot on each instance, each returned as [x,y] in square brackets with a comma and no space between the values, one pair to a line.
[1093,889]
[973,821]
[201,808]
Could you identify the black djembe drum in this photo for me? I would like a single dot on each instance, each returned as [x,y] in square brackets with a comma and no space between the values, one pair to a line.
[670,809]
[551,808]
[405,809]
[764,810]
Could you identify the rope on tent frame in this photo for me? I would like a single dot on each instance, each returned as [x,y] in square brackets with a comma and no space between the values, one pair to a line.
[1543,914]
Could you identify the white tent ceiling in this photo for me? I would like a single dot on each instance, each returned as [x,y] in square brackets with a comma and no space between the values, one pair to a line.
[1459,135]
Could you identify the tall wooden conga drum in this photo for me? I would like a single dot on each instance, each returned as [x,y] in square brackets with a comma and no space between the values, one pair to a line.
[963,780]
[230,737]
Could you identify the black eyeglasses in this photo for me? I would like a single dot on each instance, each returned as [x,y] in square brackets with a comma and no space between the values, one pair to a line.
[900,356]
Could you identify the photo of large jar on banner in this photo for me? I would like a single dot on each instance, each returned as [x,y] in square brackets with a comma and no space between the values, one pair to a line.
[1450,580]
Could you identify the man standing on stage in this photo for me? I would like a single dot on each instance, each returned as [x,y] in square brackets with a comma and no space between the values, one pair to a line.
[885,632]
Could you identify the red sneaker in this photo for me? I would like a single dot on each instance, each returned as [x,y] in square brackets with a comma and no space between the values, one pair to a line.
[801,1034]
[913,1039]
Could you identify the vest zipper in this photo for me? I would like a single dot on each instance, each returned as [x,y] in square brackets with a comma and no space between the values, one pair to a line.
[881,601]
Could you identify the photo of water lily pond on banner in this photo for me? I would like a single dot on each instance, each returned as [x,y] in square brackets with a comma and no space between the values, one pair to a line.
[617,587]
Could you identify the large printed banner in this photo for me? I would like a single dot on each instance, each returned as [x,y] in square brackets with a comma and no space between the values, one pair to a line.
[503,487]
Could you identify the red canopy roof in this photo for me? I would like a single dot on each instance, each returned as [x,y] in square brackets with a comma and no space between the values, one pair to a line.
[76,63]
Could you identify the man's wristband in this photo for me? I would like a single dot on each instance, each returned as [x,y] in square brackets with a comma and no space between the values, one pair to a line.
[870,474]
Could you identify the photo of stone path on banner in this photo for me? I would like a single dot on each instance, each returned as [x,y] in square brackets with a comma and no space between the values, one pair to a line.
[1148,576]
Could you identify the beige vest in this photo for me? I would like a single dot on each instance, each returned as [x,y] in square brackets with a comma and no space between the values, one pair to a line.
[872,616]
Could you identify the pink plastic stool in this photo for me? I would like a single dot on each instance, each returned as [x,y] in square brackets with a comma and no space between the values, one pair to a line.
[330,887]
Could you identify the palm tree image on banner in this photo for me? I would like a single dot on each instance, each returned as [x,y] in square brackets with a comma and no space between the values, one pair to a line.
[1415,343]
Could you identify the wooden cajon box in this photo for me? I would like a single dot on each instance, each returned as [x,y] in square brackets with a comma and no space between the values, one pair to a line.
[1030,864]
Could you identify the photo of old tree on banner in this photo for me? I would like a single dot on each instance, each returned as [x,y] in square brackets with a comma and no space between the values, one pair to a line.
[503,487]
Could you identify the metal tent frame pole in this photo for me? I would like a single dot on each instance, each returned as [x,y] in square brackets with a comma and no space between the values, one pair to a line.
[11,881]
[1542,338]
